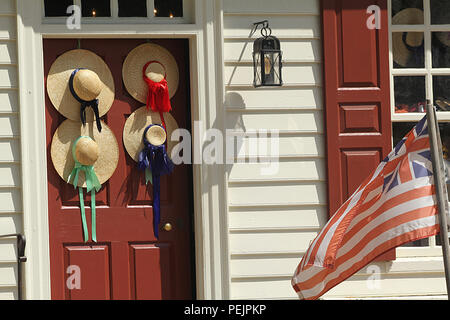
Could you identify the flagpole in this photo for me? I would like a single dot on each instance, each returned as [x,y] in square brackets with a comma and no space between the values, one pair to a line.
[441,188]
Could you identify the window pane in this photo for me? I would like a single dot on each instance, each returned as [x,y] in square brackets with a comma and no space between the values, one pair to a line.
[132,8]
[440,11]
[95,8]
[168,8]
[57,8]
[408,49]
[441,49]
[441,92]
[409,93]
[407,11]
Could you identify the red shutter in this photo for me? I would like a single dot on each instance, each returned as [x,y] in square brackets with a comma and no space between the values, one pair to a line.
[357,95]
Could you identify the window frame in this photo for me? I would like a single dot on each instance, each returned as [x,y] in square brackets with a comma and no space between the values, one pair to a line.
[432,249]
[428,71]
[187,18]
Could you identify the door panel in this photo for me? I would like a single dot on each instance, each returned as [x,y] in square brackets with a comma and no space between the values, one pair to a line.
[127,262]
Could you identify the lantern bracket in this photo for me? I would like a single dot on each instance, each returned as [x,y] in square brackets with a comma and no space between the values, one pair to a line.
[265,30]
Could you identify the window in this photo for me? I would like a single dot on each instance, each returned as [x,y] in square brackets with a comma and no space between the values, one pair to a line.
[57,8]
[420,70]
[420,57]
[175,11]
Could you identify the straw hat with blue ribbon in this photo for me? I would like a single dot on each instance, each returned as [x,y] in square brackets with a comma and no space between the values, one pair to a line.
[149,144]
[85,158]
[80,86]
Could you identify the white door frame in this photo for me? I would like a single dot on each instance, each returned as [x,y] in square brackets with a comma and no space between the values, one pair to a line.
[207,92]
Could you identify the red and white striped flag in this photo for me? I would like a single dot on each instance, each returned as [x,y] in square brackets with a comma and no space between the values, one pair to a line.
[396,204]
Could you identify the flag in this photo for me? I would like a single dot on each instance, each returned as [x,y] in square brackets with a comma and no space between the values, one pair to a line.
[396,204]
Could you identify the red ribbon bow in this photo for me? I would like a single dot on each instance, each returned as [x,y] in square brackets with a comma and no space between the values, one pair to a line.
[158,98]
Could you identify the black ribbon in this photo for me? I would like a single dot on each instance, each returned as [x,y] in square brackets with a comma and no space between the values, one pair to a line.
[84,104]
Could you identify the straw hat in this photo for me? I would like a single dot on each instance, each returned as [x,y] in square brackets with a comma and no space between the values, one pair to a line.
[165,66]
[401,53]
[134,129]
[444,38]
[102,151]
[94,80]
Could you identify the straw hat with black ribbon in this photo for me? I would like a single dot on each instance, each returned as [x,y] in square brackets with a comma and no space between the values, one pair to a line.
[407,44]
[80,86]
[149,144]
[150,75]
[86,158]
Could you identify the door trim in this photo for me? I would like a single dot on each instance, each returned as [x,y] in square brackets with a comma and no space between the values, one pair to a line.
[207,93]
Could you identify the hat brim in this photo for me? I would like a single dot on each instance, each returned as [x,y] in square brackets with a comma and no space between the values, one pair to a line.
[135,125]
[58,83]
[400,52]
[135,62]
[61,150]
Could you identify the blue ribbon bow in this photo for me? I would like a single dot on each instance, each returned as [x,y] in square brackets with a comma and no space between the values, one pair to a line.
[84,104]
[155,161]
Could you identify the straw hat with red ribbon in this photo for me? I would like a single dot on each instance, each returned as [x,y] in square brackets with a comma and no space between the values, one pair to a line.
[150,75]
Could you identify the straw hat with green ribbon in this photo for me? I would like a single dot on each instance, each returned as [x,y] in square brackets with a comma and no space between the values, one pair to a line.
[86,158]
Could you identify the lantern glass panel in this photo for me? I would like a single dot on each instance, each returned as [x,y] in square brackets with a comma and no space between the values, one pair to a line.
[257,67]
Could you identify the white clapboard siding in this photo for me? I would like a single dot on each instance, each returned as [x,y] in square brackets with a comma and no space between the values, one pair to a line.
[299,121]
[292,75]
[277,194]
[262,288]
[11,219]
[270,218]
[7,7]
[240,26]
[8,250]
[8,52]
[241,51]
[288,170]
[274,98]
[9,150]
[270,242]
[8,76]
[251,7]
[9,101]
[10,200]
[263,266]
[8,274]
[305,146]
[276,204]
[8,27]
[9,126]
[10,175]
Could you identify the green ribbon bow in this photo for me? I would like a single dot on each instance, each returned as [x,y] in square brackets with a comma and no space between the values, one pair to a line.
[92,184]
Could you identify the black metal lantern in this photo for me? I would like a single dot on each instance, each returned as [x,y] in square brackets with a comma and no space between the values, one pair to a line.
[266,58]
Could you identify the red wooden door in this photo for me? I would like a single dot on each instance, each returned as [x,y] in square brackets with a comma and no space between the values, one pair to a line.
[127,262]
[357,95]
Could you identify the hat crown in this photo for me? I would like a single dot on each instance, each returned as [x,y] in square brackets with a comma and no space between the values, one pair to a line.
[156,135]
[155,72]
[87,84]
[86,151]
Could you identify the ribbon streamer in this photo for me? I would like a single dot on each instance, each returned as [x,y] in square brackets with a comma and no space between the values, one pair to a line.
[92,185]
[158,98]
[84,104]
[155,161]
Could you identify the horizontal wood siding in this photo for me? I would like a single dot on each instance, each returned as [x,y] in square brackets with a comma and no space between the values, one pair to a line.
[272,218]
[10,173]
